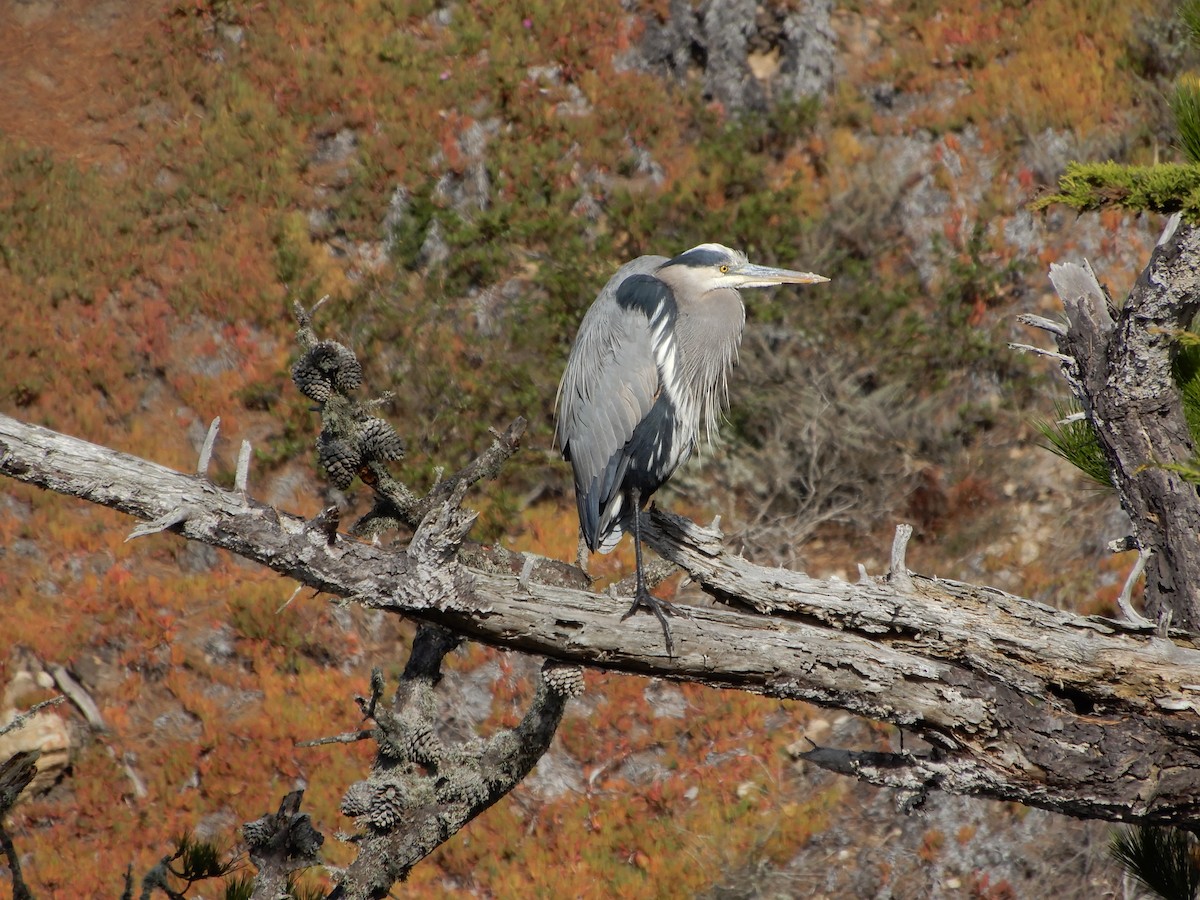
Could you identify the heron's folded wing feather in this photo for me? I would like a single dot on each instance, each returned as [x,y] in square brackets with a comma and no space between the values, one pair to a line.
[610,385]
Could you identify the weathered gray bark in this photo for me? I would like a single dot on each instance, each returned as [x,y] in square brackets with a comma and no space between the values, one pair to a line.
[1118,363]
[420,791]
[1020,701]
[15,775]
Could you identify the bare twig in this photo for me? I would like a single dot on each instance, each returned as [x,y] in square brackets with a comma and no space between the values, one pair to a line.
[1125,598]
[1055,328]
[898,574]
[346,737]
[20,720]
[206,448]
[242,475]
[169,519]
[1039,351]
[79,695]
[288,601]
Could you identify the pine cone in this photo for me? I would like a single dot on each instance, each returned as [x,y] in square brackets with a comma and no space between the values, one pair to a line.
[257,832]
[564,680]
[311,381]
[348,374]
[339,458]
[327,366]
[463,785]
[387,806]
[423,745]
[378,440]
[357,800]
[410,742]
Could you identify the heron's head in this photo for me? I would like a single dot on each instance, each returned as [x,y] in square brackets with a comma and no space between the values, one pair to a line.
[710,267]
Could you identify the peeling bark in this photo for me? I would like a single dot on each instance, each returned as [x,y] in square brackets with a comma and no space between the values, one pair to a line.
[1020,701]
[1118,363]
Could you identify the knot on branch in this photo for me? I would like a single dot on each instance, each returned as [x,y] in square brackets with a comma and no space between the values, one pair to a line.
[437,576]
[441,533]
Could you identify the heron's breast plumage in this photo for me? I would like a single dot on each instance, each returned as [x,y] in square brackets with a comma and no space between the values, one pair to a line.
[709,331]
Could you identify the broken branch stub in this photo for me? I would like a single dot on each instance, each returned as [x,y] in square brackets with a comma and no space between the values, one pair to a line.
[1120,368]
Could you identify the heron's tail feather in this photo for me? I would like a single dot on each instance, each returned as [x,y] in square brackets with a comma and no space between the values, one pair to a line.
[613,520]
[609,540]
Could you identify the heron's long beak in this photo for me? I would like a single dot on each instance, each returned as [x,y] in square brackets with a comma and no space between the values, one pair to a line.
[752,276]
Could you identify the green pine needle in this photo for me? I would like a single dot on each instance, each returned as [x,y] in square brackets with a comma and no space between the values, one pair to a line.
[1189,471]
[1164,188]
[240,887]
[1186,369]
[1185,104]
[201,859]
[1162,859]
[1076,442]
[1189,12]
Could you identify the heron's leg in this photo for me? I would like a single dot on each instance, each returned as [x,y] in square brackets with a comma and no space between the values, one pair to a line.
[642,598]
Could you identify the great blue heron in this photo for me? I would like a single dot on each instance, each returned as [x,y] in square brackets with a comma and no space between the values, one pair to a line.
[651,359]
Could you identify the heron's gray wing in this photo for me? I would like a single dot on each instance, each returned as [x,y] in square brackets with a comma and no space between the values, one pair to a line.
[611,385]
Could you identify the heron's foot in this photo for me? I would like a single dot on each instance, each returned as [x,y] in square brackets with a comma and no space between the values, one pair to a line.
[643,599]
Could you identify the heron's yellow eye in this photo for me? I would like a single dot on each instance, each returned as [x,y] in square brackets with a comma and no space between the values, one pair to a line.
[724,269]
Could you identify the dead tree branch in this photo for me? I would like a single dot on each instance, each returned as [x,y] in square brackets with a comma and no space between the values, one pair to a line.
[1119,366]
[1021,701]
[421,791]
[281,844]
[15,775]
